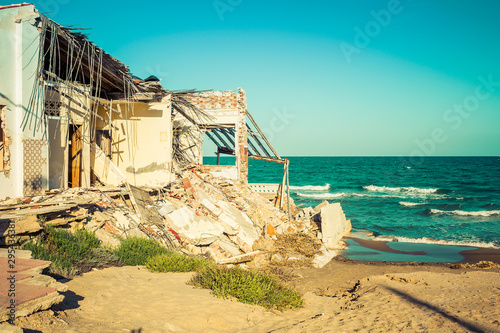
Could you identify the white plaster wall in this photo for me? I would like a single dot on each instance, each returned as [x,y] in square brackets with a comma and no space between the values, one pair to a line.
[142,145]
[58,168]
[223,116]
[18,54]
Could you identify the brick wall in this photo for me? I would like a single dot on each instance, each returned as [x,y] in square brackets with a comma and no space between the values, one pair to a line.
[215,100]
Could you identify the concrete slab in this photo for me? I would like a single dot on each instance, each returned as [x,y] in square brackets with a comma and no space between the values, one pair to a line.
[24,225]
[21,285]
[197,229]
[334,225]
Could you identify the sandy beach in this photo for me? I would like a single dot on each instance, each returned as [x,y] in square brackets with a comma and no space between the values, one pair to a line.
[344,296]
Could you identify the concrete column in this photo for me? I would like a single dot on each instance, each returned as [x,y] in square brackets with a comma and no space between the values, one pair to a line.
[86,139]
[167,134]
[241,141]
[17,158]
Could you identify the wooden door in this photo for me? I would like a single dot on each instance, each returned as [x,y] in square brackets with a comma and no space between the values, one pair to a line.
[76,156]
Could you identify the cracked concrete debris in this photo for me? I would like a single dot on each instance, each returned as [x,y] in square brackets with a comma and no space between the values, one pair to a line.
[199,213]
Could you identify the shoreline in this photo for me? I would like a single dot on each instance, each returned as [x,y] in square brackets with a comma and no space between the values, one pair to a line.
[465,254]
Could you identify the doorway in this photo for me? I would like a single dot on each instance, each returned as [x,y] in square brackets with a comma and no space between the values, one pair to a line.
[75,156]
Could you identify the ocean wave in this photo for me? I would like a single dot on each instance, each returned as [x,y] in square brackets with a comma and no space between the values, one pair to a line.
[449,206]
[317,188]
[425,240]
[373,188]
[479,213]
[321,196]
[411,204]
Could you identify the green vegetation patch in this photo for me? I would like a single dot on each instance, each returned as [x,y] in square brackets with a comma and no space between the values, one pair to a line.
[248,287]
[72,246]
[137,251]
[175,262]
[70,253]
[60,266]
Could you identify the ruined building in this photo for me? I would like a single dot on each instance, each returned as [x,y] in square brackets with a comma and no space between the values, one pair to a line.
[73,116]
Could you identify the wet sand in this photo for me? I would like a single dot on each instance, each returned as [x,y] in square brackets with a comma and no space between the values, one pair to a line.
[472,255]
[476,255]
[382,246]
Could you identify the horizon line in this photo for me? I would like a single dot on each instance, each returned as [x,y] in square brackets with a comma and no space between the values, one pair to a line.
[214,156]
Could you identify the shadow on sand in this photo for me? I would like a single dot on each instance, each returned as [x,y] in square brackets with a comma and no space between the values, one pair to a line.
[468,326]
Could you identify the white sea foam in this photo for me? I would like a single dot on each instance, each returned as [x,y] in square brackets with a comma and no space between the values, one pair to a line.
[373,188]
[411,204]
[321,196]
[317,188]
[425,240]
[361,195]
[480,213]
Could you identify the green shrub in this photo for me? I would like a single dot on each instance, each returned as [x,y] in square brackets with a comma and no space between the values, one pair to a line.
[72,246]
[175,262]
[102,256]
[59,266]
[66,251]
[248,287]
[136,251]
[88,238]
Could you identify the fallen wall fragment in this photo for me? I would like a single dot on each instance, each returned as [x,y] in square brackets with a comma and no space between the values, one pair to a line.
[334,225]
[198,213]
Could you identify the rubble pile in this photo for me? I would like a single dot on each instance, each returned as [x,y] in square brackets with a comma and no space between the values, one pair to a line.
[196,214]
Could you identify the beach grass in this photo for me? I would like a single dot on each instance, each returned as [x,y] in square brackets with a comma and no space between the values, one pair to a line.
[250,287]
[135,251]
[176,262]
[64,249]
[60,265]
[74,247]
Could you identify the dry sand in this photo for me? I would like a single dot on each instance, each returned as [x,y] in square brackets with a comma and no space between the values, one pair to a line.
[355,297]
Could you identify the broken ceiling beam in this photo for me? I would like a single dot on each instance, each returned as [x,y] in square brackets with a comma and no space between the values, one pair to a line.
[221,138]
[184,114]
[261,133]
[258,142]
[112,75]
[224,132]
[269,159]
[213,139]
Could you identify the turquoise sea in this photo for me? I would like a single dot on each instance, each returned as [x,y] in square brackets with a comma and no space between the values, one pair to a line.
[431,200]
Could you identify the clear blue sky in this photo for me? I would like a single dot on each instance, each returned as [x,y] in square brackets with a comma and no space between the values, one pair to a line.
[335,77]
